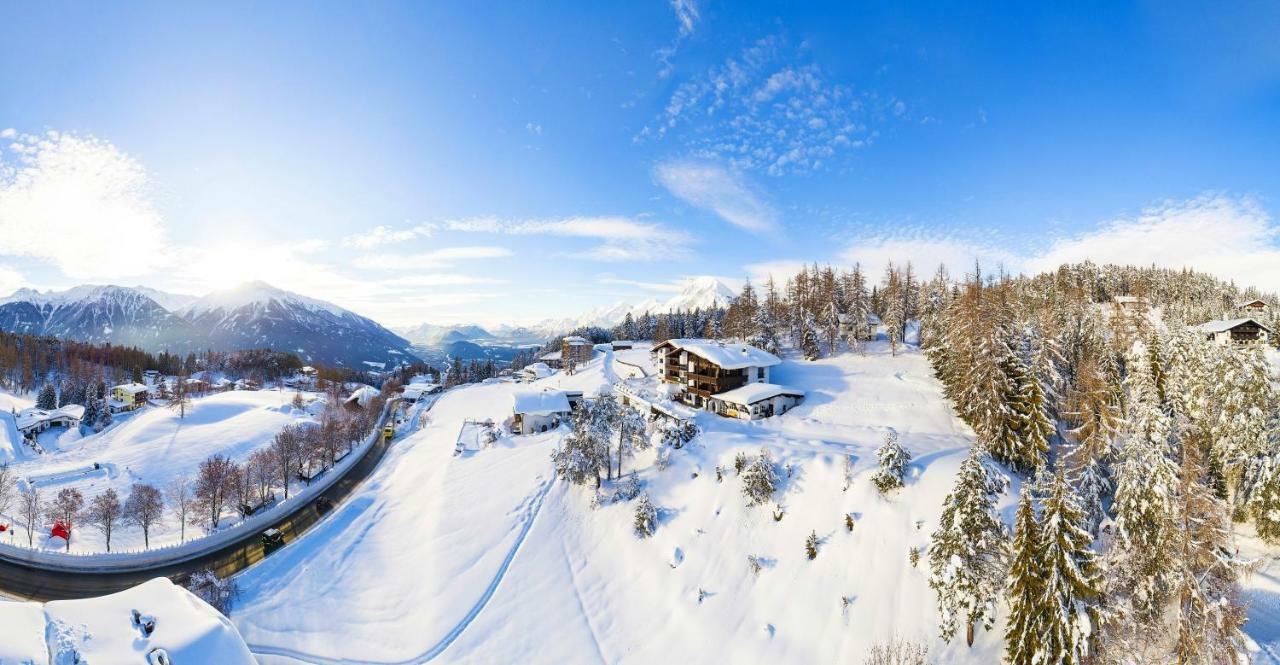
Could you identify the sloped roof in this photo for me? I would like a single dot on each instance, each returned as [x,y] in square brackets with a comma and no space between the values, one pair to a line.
[728,355]
[574,340]
[540,402]
[538,370]
[1228,324]
[131,388]
[756,392]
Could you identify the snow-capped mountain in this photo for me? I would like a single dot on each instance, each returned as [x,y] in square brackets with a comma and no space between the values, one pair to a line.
[254,315]
[696,293]
[428,334]
[116,314]
[257,314]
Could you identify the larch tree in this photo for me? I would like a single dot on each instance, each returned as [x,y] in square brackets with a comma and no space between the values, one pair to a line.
[967,553]
[1025,588]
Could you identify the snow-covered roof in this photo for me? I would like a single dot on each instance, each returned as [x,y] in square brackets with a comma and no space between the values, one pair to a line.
[1228,324]
[574,340]
[727,355]
[1128,299]
[540,402]
[554,355]
[756,392]
[131,388]
[308,369]
[362,395]
[538,370]
[72,410]
[1255,301]
[416,390]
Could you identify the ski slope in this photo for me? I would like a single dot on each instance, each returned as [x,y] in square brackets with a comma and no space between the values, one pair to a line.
[485,557]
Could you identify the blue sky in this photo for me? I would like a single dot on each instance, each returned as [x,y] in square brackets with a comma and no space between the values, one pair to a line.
[517,161]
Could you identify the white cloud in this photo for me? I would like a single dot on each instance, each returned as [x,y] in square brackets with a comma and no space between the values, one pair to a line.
[430,260]
[78,203]
[384,235]
[780,270]
[621,238]
[8,133]
[10,280]
[686,14]
[711,187]
[533,128]
[767,109]
[1233,238]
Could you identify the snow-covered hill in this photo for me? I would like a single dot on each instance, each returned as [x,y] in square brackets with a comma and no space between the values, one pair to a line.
[486,557]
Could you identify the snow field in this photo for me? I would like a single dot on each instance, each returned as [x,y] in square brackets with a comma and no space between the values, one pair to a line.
[153,446]
[483,557]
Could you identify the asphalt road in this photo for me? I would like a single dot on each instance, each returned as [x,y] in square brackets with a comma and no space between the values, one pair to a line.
[20,582]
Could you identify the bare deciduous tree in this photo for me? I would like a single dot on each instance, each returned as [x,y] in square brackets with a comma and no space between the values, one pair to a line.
[30,508]
[66,508]
[144,508]
[104,513]
[181,501]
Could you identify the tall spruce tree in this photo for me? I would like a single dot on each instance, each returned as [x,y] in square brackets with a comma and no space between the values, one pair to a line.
[1025,586]
[1071,578]
[968,551]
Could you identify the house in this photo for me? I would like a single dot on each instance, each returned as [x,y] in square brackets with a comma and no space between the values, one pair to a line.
[1235,331]
[1253,307]
[575,350]
[622,345]
[539,410]
[755,400]
[247,384]
[535,371]
[151,376]
[362,396]
[703,369]
[415,391]
[128,396]
[551,360]
[33,421]
[196,386]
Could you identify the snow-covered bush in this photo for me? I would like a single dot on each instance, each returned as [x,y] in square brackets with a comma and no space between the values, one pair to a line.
[646,518]
[893,464]
[753,562]
[220,593]
[630,490]
[759,480]
[740,462]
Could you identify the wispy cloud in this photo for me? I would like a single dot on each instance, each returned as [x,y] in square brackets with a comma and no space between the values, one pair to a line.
[621,238]
[71,200]
[713,188]
[1232,237]
[384,235]
[430,260]
[686,14]
[768,109]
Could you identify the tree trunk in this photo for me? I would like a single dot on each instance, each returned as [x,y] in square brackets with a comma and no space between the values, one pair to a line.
[968,633]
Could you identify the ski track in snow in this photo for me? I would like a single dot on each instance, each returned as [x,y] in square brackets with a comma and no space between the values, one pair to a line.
[533,507]
[582,607]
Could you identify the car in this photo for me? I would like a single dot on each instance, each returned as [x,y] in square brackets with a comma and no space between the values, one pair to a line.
[389,431]
[272,540]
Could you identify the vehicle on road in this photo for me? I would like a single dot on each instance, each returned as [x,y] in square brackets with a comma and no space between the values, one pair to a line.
[323,505]
[272,540]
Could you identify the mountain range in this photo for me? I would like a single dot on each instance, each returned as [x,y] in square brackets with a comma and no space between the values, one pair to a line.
[252,315]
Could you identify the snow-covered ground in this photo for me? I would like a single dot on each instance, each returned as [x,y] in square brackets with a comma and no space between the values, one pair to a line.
[102,630]
[485,557]
[152,445]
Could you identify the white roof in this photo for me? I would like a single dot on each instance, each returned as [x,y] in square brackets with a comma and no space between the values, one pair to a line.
[540,402]
[554,355]
[574,340]
[131,388]
[728,355]
[1228,324]
[362,395]
[538,370]
[1257,301]
[756,392]
[32,417]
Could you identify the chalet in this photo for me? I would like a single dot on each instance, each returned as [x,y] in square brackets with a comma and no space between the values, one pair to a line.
[196,386]
[128,396]
[575,350]
[534,372]
[622,345]
[755,400]
[703,371]
[551,360]
[539,410]
[1253,307]
[33,421]
[247,384]
[1235,331]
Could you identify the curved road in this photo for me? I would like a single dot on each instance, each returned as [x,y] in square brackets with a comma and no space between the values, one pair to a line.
[24,583]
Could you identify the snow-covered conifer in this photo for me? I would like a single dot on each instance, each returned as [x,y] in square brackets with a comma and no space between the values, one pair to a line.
[760,479]
[1071,581]
[1025,586]
[893,464]
[646,517]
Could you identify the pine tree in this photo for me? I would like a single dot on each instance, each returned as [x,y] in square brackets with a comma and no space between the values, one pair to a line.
[646,517]
[1025,587]
[1071,581]
[48,398]
[811,545]
[968,551]
[760,479]
[809,338]
[893,464]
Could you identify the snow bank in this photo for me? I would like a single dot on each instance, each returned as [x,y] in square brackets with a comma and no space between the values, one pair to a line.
[103,630]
